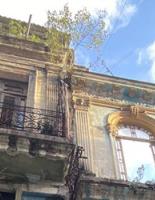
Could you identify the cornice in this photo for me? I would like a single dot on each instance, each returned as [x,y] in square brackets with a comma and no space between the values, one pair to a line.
[81,103]
[8,62]
[19,62]
[113,94]
[111,103]
[101,78]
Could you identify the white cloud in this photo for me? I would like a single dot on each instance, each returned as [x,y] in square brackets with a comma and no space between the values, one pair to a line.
[147,56]
[151,57]
[21,9]
[127,13]
[140,54]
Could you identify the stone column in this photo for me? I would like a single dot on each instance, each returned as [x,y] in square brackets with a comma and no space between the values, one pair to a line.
[52,92]
[115,159]
[82,131]
[18,193]
[4,140]
[23,145]
[1,90]
[31,90]
[40,89]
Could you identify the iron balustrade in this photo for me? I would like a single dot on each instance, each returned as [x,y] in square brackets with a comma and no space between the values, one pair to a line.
[33,120]
[74,172]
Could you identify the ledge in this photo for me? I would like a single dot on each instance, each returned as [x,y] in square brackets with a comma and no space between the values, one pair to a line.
[26,134]
[115,182]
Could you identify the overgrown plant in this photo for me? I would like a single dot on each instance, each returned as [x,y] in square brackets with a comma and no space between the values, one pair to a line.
[81,29]
[17,29]
[140,174]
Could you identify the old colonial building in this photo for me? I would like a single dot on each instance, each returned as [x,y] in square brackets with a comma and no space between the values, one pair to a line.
[67,133]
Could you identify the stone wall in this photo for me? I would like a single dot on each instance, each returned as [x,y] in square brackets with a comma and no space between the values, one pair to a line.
[103,163]
[105,189]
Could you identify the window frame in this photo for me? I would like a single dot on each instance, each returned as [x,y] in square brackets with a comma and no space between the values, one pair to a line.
[121,158]
[131,116]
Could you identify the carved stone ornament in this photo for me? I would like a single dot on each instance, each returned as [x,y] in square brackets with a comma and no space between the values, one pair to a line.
[131,116]
[114,93]
[79,84]
[81,103]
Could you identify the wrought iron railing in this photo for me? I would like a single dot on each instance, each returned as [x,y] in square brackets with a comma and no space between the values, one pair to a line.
[74,172]
[31,119]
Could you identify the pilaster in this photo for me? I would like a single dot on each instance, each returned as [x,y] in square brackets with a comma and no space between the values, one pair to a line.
[40,89]
[83,138]
[52,92]
[18,193]
[31,90]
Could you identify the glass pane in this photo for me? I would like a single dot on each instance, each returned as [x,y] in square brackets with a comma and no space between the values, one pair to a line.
[36,196]
[124,132]
[133,132]
[142,134]
[136,155]
[32,197]
[7,196]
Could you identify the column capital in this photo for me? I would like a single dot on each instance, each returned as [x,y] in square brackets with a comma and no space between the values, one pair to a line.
[81,103]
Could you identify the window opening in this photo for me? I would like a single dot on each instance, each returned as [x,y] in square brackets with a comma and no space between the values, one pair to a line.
[12,112]
[135,154]
[7,196]
[36,196]
[7,111]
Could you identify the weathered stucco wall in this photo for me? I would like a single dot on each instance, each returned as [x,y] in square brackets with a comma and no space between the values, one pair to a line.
[103,163]
[42,90]
[104,189]
[95,97]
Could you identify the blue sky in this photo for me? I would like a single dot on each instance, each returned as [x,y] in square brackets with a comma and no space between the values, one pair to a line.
[132,47]
[129,52]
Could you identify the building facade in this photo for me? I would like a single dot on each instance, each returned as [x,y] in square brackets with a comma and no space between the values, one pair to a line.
[68,133]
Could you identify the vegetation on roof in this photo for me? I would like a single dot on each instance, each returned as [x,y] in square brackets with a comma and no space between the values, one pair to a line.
[62,30]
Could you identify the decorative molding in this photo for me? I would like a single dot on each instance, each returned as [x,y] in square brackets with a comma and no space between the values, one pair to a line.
[130,115]
[113,103]
[81,103]
[110,92]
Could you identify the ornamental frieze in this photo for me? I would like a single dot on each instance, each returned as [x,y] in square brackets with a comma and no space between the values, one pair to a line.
[114,92]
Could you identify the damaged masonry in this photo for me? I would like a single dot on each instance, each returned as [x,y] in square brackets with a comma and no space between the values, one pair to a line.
[65,132]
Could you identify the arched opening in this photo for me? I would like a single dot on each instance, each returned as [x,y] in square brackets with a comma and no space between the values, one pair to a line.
[134,134]
[135,154]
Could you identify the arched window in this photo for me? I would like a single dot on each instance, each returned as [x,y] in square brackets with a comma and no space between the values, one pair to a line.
[135,152]
[134,134]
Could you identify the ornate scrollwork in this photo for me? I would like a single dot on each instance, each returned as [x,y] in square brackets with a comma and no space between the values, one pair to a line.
[82,103]
[130,115]
[30,119]
[113,93]
[74,171]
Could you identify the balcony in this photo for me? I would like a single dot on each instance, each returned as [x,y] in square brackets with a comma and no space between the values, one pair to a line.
[33,144]
[33,120]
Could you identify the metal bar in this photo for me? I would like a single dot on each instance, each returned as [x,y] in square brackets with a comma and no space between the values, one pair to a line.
[153,150]
[29,26]
[135,139]
[35,120]
[74,172]
[121,160]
